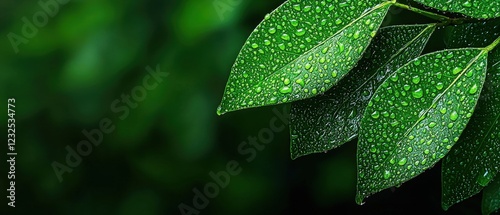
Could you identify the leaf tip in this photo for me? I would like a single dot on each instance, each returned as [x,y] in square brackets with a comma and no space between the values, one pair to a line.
[445,206]
[360,199]
[219,111]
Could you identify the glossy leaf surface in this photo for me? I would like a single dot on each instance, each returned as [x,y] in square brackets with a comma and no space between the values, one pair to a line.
[473,162]
[301,50]
[482,9]
[491,197]
[416,116]
[330,120]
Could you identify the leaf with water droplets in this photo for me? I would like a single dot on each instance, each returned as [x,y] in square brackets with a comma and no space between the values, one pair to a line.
[473,162]
[478,34]
[482,9]
[416,116]
[491,197]
[301,50]
[330,120]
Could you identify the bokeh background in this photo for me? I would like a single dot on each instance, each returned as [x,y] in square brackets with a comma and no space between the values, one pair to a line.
[93,51]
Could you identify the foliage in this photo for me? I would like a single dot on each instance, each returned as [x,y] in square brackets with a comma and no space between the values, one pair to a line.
[348,75]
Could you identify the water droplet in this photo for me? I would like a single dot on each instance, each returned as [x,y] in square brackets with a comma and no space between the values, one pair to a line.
[322,60]
[281,46]
[286,81]
[457,70]
[417,62]
[473,89]
[484,178]
[402,162]
[219,110]
[440,86]
[419,93]
[375,115]
[395,77]
[454,116]
[334,73]
[286,90]
[341,47]
[416,79]
[300,32]
[300,82]
[449,55]
[356,34]
[387,174]
[272,30]
[285,37]
[467,4]
[325,50]
[258,89]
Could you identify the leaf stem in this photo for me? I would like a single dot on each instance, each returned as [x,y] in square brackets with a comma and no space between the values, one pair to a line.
[493,45]
[423,12]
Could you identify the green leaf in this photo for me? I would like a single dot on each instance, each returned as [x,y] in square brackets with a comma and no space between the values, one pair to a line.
[416,116]
[478,34]
[491,197]
[301,50]
[473,162]
[482,9]
[330,120]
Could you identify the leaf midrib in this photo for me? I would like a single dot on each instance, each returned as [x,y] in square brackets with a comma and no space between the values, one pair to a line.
[382,66]
[363,15]
[482,142]
[433,103]
[469,166]
[394,56]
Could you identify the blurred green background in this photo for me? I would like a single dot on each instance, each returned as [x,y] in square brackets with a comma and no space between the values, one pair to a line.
[66,77]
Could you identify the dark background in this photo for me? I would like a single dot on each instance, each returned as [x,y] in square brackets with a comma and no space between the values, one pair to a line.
[91,52]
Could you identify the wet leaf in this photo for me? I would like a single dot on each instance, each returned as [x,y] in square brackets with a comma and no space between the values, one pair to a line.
[301,50]
[479,34]
[330,120]
[482,9]
[416,116]
[491,197]
[473,162]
